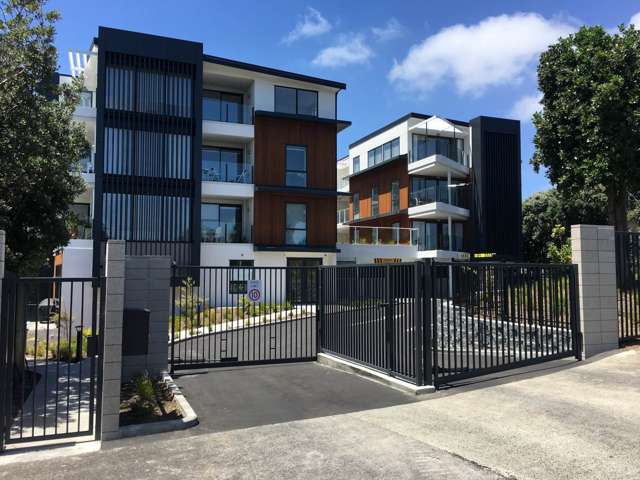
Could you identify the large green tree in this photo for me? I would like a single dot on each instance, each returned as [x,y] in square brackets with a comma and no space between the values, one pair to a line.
[588,131]
[545,211]
[40,145]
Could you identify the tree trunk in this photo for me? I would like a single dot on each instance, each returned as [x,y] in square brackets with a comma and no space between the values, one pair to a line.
[617,209]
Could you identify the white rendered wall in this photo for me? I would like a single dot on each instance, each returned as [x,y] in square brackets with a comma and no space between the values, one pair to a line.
[77,259]
[369,253]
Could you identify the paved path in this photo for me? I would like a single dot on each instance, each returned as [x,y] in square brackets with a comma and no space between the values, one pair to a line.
[574,421]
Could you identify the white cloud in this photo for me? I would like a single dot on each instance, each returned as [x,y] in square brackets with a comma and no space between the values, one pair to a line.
[311,24]
[635,20]
[392,29]
[350,49]
[525,107]
[497,51]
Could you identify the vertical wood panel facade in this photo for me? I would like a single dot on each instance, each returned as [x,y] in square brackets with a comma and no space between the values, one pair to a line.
[272,135]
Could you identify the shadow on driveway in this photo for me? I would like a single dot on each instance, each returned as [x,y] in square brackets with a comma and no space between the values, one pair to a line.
[242,397]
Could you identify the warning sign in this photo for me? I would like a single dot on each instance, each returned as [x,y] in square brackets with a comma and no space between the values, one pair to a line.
[254,290]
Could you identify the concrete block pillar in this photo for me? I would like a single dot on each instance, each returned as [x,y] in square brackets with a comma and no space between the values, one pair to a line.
[112,355]
[593,250]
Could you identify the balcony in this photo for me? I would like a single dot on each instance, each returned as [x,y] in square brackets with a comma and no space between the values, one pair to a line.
[437,203]
[226,119]
[225,233]
[227,180]
[439,164]
[371,235]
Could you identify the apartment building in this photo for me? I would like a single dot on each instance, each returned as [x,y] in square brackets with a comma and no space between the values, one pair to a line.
[424,186]
[209,160]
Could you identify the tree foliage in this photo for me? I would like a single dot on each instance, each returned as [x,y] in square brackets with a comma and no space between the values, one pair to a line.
[545,211]
[40,145]
[588,132]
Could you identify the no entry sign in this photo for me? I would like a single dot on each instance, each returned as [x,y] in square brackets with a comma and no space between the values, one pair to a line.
[254,290]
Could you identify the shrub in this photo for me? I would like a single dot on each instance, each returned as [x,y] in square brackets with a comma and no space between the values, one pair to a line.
[144,388]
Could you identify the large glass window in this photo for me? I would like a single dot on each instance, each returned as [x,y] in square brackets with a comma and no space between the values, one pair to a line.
[223,165]
[296,224]
[384,152]
[221,223]
[82,225]
[296,166]
[435,236]
[428,190]
[356,164]
[356,205]
[222,106]
[296,101]
[395,196]
[375,205]
[426,145]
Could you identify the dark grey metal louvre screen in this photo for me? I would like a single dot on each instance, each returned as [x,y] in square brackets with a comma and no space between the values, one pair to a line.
[148,155]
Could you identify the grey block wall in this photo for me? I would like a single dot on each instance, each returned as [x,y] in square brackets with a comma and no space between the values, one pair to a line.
[147,281]
[593,250]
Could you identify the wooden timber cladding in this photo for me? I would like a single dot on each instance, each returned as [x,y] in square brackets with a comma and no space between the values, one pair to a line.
[381,176]
[269,221]
[272,135]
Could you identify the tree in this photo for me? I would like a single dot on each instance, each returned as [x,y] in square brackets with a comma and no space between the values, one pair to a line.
[40,145]
[559,248]
[544,211]
[588,132]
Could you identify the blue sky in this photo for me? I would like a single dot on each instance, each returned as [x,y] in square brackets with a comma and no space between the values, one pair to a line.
[458,60]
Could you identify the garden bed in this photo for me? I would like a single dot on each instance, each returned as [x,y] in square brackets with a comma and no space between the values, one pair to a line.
[147,399]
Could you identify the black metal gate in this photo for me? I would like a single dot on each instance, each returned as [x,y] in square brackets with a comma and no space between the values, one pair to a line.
[488,317]
[628,284]
[372,314]
[228,316]
[50,374]
[428,322]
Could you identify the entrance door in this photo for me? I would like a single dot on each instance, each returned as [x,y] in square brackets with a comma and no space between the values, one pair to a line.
[302,280]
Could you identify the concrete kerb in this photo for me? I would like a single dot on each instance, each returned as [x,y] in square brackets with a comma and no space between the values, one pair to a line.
[189,418]
[332,361]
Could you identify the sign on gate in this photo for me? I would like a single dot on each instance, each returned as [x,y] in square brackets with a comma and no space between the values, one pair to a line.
[254,290]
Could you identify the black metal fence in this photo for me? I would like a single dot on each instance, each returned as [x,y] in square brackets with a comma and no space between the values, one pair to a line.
[628,284]
[441,322]
[48,357]
[223,316]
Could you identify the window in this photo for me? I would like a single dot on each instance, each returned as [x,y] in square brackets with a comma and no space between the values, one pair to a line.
[356,164]
[222,165]
[222,106]
[221,223]
[435,236]
[296,101]
[241,263]
[395,196]
[296,166]
[375,210]
[356,206]
[375,236]
[82,227]
[296,224]
[384,152]
[424,146]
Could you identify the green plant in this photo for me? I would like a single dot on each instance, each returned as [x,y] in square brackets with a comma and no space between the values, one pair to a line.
[144,389]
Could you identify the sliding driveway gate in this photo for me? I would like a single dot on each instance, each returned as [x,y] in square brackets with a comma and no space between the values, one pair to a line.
[50,372]
[442,322]
[423,322]
[225,316]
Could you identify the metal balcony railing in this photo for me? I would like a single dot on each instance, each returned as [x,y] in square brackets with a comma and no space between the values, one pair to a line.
[368,235]
[228,172]
[225,233]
